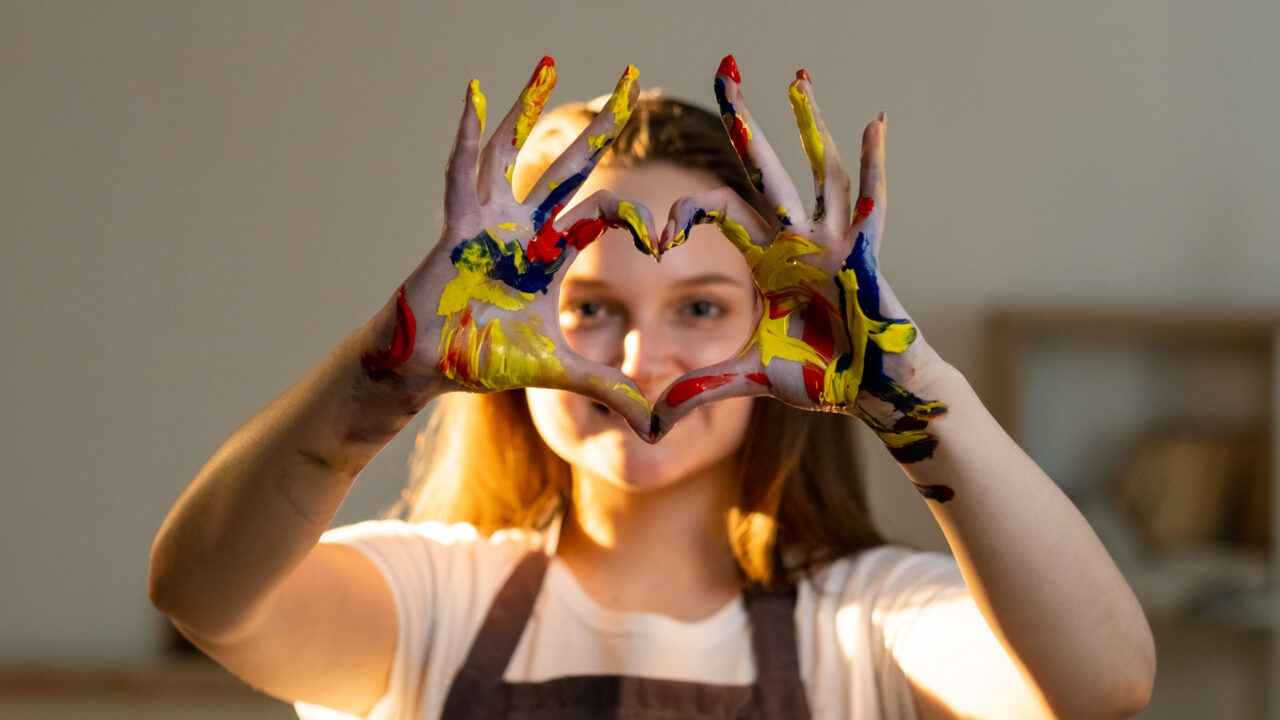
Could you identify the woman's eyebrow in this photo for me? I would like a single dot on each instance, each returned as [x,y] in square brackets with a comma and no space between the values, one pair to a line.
[585,284]
[711,279]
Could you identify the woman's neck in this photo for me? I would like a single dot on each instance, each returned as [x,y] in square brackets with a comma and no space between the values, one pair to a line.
[665,550]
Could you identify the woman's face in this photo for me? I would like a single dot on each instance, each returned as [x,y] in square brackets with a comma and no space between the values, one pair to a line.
[654,322]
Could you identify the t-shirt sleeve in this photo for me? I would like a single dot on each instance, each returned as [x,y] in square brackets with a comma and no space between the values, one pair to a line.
[873,602]
[443,579]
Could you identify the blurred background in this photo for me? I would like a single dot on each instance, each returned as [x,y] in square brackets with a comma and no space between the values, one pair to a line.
[198,200]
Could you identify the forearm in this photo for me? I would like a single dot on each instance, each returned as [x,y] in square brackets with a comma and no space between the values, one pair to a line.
[261,502]
[1041,577]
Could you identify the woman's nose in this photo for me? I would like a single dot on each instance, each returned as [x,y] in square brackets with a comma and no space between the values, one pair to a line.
[648,357]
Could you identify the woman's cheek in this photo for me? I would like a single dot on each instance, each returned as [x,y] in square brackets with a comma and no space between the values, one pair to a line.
[598,343]
[558,415]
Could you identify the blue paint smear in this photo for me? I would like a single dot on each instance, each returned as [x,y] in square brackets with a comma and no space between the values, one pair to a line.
[726,107]
[727,116]
[536,277]
[560,194]
[862,261]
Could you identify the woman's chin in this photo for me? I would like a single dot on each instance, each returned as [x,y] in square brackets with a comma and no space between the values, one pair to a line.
[633,463]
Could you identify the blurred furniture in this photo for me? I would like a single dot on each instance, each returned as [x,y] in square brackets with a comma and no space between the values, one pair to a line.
[193,689]
[1161,425]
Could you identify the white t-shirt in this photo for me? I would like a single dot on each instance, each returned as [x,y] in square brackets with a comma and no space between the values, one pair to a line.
[850,618]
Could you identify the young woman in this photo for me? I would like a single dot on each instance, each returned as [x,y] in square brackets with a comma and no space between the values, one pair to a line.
[573,550]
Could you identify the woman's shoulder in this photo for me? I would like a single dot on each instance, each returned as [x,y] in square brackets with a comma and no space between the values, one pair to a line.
[887,570]
[432,532]
[438,548]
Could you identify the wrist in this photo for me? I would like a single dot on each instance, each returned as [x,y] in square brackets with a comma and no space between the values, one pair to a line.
[922,371]
[899,399]
[381,400]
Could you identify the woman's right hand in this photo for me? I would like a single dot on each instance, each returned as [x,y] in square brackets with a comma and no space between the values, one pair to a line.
[479,314]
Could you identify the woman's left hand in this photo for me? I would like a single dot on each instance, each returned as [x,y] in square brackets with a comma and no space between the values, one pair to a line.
[832,335]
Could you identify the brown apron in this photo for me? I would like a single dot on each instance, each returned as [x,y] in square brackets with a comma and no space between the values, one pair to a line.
[479,692]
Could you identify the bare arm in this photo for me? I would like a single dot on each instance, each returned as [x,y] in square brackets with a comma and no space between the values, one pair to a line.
[1038,573]
[236,564]
[1063,623]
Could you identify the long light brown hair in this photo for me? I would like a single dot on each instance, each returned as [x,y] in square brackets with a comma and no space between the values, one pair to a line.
[480,460]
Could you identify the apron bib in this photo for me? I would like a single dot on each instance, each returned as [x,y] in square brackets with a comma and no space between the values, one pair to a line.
[478,691]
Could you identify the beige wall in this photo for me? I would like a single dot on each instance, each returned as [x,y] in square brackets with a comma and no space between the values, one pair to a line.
[198,200]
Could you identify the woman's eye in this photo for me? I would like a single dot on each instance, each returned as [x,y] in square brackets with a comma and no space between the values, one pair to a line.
[704,309]
[585,312]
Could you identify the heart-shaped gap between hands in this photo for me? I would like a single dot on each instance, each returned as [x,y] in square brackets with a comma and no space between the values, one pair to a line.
[658,323]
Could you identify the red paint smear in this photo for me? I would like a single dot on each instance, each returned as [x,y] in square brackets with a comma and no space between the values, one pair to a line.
[817,330]
[546,61]
[865,206]
[586,231]
[813,376]
[451,363]
[686,389]
[545,246]
[402,339]
[803,74]
[729,66]
[760,379]
[738,135]
[777,301]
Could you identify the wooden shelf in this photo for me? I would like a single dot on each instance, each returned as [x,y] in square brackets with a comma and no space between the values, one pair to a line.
[195,678]
[1224,364]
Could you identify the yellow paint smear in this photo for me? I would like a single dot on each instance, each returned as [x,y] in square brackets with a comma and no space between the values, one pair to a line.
[809,135]
[533,99]
[478,101]
[473,283]
[620,102]
[499,354]
[622,387]
[628,214]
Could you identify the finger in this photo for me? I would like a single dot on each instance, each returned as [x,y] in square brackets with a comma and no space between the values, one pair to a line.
[609,387]
[741,376]
[830,179]
[498,159]
[563,178]
[460,173]
[588,220]
[763,167]
[737,220]
[869,216]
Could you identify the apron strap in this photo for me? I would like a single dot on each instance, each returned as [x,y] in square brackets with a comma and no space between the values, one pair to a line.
[504,624]
[780,690]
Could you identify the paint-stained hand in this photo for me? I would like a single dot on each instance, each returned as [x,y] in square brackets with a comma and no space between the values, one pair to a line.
[479,313]
[832,335]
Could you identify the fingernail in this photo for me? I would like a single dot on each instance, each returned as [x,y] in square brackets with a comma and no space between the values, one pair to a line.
[547,62]
[803,74]
[882,117]
[729,67]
